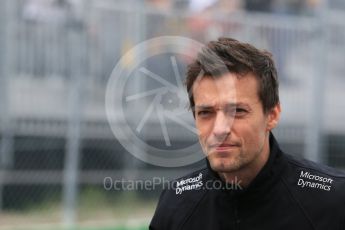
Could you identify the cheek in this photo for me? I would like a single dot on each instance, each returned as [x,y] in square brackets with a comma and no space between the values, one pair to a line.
[251,133]
[204,132]
[203,129]
[202,136]
[257,137]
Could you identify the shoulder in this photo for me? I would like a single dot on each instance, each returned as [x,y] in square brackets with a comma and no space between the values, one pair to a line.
[316,188]
[179,199]
[323,177]
[321,168]
[185,186]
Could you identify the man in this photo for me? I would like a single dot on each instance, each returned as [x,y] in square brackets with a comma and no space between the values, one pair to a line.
[249,183]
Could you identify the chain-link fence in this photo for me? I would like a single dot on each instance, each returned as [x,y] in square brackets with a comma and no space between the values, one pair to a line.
[58,152]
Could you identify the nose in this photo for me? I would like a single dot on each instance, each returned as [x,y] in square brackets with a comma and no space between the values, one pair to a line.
[222,126]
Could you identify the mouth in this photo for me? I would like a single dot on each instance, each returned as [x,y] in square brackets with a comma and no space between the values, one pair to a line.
[223,147]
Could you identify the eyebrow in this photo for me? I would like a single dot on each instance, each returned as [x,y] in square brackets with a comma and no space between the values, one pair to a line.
[205,106]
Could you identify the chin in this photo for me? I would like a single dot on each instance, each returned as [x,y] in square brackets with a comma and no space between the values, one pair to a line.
[224,165]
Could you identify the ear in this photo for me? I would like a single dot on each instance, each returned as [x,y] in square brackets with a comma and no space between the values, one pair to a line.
[273,117]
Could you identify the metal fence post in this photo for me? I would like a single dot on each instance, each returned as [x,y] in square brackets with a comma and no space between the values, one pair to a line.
[6,47]
[75,106]
[134,30]
[314,141]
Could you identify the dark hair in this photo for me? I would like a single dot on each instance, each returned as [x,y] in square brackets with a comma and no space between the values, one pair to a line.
[228,55]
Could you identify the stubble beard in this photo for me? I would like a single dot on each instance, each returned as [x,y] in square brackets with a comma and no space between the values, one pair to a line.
[234,164]
[227,165]
[238,161]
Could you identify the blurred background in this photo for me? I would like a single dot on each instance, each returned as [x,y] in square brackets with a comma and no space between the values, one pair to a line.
[56,56]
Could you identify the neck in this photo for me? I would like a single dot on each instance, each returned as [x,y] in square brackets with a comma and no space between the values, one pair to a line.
[246,175]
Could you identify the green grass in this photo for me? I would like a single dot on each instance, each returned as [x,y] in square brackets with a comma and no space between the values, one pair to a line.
[97,210]
[86,228]
[115,228]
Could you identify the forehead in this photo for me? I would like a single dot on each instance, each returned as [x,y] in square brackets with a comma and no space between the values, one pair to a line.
[228,88]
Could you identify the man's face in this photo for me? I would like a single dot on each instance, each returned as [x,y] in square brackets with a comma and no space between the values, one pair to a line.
[233,128]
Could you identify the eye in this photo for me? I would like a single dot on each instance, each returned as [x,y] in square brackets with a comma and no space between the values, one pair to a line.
[240,112]
[204,113]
